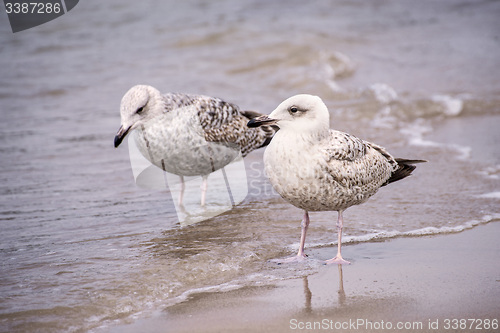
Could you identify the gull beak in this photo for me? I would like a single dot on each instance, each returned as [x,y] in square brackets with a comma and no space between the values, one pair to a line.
[262,120]
[122,133]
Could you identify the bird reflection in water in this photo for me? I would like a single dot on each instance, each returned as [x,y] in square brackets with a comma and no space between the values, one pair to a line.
[308,294]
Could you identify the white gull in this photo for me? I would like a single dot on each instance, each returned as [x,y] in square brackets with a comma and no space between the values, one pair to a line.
[188,135]
[316,168]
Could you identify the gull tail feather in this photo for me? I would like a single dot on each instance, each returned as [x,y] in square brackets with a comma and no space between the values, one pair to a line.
[405,168]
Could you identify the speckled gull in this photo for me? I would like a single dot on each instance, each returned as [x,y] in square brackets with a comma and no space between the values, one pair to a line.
[316,168]
[188,135]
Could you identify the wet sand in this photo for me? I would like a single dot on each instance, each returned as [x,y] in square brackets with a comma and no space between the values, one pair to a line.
[424,284]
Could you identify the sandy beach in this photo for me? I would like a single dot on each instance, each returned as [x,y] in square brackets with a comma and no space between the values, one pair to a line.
[445,283]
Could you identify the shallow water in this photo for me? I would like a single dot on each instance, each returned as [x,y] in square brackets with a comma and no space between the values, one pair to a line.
[83,247]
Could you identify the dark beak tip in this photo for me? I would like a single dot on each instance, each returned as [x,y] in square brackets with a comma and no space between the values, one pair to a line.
[122,133]
[259,121]
[118,140]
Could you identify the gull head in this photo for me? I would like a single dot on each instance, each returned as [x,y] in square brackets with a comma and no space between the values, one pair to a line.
[139,105]
[300,113]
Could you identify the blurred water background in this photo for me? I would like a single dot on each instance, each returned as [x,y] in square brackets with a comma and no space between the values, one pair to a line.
[83,248]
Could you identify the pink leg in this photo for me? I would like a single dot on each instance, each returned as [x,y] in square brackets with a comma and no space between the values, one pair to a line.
[204,186]
[301,256]
[181,193]
[338,258]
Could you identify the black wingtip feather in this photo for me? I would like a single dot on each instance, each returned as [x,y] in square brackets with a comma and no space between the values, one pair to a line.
[405,168]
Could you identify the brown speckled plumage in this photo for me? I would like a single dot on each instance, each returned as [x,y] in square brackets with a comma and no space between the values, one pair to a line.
[223,122]
[338,171]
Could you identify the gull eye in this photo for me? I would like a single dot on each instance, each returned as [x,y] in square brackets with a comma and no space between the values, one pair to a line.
[139,110]
[294,109]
